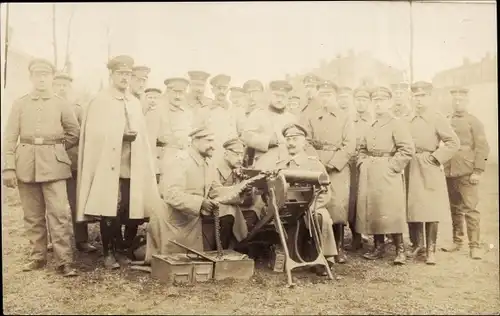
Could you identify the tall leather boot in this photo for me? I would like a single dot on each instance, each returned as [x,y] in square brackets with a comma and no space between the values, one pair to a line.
[226,230]
[378,249]
[338,232]
[400,249]
[356,242]
[131,229]
[431,230]
[108,244]
[418,247]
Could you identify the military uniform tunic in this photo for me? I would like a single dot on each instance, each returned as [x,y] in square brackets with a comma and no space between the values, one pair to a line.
[334,129]
[427,193]
[471,156]
[44,124]
[176,128]
[381,200]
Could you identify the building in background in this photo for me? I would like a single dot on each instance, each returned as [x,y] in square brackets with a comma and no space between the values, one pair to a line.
[481,79]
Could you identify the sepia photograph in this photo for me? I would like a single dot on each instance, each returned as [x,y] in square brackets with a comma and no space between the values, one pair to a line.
[250,158]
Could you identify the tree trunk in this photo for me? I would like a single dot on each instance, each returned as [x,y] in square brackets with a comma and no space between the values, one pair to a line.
[54,35]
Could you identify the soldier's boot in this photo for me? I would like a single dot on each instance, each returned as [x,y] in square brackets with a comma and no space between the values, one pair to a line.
[131,230]
[356,242]
[475,253]
[34,265]
[108,245]
[378,249]
[400,249]
[431,229]
[85,247]
[418,247]
[338,232]
[226,230]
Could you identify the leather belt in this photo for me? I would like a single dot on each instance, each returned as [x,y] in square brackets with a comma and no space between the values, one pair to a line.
[40,141]
[420,151]
[379,154]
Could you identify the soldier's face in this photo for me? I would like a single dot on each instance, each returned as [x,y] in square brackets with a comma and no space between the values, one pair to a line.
[295,144]
[327,97]
[460,103]
[205,146]
[177,96]
[120,79]
[233,158]
[152,98]
[137,84]
[311,90]
[362,104]
[279,99]
[382,105]
[421,100]
[61,87]
[256,96]
[41,79]
[400,96]
[344,101]
[235,98]
[197,86]
[220,91]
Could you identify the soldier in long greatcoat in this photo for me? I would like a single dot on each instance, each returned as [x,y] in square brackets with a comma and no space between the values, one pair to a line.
[332,135]
[115,165]
[381,204]
[427,193]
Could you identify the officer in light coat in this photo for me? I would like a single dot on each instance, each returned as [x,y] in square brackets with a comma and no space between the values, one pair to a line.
[40,127]
[427,193]
[381,200]
[332,135]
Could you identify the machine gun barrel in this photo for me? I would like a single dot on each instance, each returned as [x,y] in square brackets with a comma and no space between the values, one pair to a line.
[305,176]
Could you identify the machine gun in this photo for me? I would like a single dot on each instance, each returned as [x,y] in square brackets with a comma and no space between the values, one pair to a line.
[290,195]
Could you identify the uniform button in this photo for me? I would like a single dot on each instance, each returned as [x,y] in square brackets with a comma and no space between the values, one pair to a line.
[112,168]
[114,149]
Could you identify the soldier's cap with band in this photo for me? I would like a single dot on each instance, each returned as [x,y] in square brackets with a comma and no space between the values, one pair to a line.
[198,75]
[362,92]
[220,80]
[400,86]
[152,89]
[294,129]
[235,145]
[141,71]
[253,85]
[121,63]
[63,76]
[237,89]
[327,85]
[421,88]
[280,85]
[310,79]
[343,90]
[201,131]
[177,82]
[41,64]
[381,92]
[459,91]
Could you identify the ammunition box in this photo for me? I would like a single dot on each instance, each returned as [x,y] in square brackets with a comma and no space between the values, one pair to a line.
[232,265]
[178,268]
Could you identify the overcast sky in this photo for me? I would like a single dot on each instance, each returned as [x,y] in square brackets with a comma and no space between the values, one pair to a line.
[262,40]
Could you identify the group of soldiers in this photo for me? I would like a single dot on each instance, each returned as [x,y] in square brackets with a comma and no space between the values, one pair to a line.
[172,158]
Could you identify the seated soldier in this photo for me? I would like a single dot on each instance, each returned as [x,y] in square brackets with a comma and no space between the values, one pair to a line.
[297,158]
[232,220]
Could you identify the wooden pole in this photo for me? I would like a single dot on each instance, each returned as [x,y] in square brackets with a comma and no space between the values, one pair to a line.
[54,33]
[6,51]
[411,43]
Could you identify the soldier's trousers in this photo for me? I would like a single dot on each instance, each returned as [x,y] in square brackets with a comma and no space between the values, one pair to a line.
[80,230]
[463,202]
[42,202]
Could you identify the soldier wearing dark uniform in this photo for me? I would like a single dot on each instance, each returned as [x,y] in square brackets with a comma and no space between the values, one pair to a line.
[45,126]
[463,173]
[62,83]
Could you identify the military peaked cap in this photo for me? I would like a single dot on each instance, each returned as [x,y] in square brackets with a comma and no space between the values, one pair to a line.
[41,64]
[253,85]
[122,62]
[64,76]
[198,75]
[220,80]
[280,85]
[381,92]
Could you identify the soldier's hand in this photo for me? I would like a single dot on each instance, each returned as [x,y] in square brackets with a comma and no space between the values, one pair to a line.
[474,178]
[9,178]
[130,136]
[432,160]
[209,206]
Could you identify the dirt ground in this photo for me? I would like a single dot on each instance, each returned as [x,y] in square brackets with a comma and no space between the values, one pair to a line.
[456,285]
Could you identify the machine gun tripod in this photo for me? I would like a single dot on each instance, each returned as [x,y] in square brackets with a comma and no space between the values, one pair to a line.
[283,207]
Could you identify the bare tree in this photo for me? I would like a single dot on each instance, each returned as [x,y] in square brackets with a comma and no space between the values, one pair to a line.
[54,34]
[67,61]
